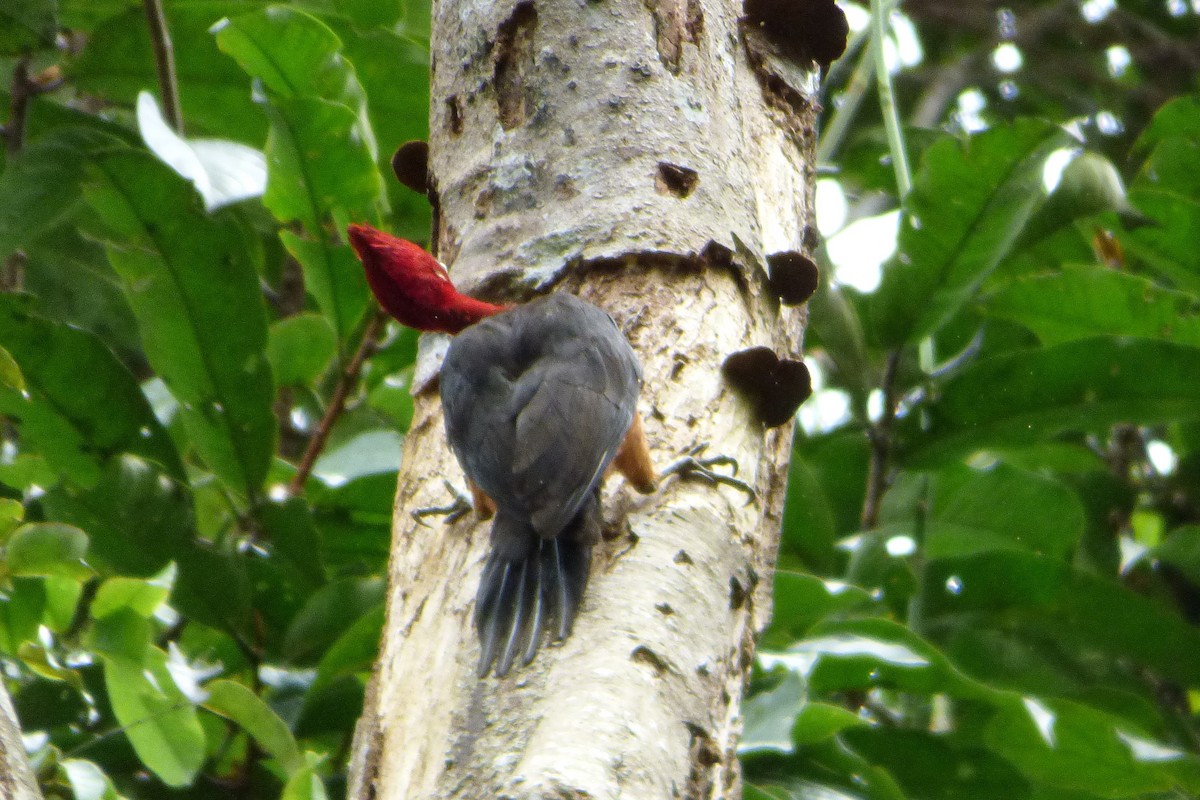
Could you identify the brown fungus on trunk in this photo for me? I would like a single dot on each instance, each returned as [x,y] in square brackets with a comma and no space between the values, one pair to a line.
[774,386]
[411,165]
[801,30]
[793,276]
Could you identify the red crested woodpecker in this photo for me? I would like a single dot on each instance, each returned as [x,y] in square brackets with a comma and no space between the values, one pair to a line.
[540,404]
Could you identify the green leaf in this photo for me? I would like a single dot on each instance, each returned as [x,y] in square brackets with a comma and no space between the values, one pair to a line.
[1081,610]
[1181,549]
[1020,398]
[158,719]
[354,651]
[968,205]
[77,424]
[368,453]
[300,348]
[143,597]
[1037,513]
[1177,117]
[1079,302]
[1075,747]
[12,512]
[770,717]
[118,62]
[292,53]
[328,613]
[21,611]
[1166,247]
[39,189]
[27,25]
[335,279]
[195,293]
[237,703]
[817,722]
[48,548]
[290,529]
[122,636]
[305,784]
[62,599]
[317,162]
[800,601]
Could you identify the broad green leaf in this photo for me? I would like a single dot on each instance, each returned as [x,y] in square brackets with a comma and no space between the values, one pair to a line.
[237,703]
[81,405]
[1181,549]
[1075,747]
[318,163]
[21,612]
[300,348]
[1178,117]
[1020,398]
[39,189]
[770,717]
[158,719]
[10,372]
[335,279]
[938,765]
[292,53]
[62,600]
[968,205]
[294,538]
[27,25]
[1084,611]
[368,453]
[48,548]
[327,614]
[195,292]
[143,597]
[817,722]
[354,651]
[1166,247]
[1079,302]
[1089,185]
[800,601]
[1037,513]
[869,653]
[123,636]
[305,784]
[118,62]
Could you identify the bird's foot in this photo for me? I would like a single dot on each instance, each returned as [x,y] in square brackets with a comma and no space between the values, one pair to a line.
[453,512]
[693,466]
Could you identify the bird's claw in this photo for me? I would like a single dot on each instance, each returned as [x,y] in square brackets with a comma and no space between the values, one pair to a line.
[453,512]
[693,466]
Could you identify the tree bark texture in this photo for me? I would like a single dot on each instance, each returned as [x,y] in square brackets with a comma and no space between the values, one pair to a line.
[17,781]
[648,155]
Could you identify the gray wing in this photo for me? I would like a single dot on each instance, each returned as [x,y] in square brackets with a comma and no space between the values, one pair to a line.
[549,392]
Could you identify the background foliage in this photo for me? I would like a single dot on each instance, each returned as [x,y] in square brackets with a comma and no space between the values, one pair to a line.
[991,560]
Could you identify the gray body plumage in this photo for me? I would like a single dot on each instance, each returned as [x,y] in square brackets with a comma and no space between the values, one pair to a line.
[537,400]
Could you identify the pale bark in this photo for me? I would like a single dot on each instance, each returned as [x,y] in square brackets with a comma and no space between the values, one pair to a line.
[17,781]
[552,121]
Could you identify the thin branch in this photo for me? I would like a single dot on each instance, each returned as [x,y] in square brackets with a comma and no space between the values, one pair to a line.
[881,445]
[887,101]
[22,90]
[337,403]
[164,63]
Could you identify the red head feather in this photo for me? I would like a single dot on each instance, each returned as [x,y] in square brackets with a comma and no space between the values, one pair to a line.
[412,285]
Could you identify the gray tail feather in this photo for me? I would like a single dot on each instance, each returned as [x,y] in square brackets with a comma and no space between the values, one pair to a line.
[530,585]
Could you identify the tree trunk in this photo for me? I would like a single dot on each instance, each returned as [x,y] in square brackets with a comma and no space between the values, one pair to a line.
[17,781]
[647,154]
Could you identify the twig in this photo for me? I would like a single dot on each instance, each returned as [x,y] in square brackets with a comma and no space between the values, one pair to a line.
[22,89]
[164,63]
[887,101]
[881,445]
[337,403]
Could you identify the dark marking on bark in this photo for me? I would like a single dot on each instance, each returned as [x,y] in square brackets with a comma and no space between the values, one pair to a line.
[793,276]
[411,165]
[664,609]
[676,22]
[802,31]
[737,594]
[514,60]
[793,110]
[454,115]
[702,755]
[644,655]
[676,180]
[683,558]
[775,387]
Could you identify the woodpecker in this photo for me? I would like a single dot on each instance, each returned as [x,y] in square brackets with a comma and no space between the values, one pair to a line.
[540,404]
